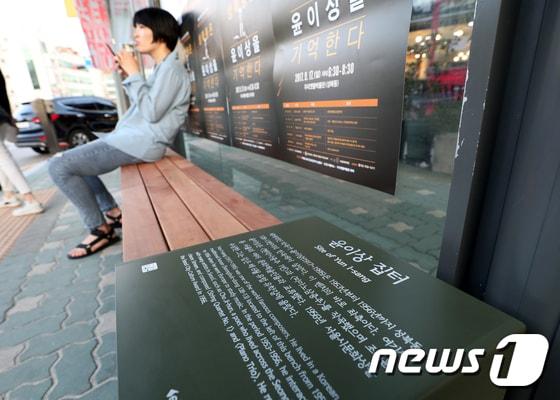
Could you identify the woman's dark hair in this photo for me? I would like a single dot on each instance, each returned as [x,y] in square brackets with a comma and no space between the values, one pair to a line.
[164,27]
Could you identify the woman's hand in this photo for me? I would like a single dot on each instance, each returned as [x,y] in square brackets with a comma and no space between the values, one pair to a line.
[128,65]
[123,74]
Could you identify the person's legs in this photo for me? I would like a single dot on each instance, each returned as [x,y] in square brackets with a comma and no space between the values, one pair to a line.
[7,188]
[12,179]
[69,170]
[11,172]
[8,192]
[104,199]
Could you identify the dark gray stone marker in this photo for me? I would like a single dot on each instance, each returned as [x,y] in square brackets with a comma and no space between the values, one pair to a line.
[292,311]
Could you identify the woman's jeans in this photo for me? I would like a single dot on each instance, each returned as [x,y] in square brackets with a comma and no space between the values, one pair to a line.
[75,173]
[11,177]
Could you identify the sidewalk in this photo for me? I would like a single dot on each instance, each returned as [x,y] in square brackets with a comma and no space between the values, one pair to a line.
[57,316]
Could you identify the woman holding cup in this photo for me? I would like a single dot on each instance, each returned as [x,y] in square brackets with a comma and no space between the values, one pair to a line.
[158,108]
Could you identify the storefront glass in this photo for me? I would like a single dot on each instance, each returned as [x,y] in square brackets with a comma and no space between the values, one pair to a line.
[409,224]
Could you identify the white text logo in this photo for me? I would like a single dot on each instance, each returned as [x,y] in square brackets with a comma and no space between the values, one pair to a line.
[173,395]
[526,365]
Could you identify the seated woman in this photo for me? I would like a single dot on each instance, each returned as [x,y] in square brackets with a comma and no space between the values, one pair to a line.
[158,108]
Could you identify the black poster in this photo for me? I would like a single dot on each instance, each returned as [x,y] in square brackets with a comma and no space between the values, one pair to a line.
[195,120]
[208,51]
[338,73]
[249,56]
[315,83]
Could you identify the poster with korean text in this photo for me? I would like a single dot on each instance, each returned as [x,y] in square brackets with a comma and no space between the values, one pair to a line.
[211,88]
[195,120]
[338,76]
[249,57]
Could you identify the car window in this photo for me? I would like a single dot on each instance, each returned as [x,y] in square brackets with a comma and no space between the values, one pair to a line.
[25,111]
[105,107]
[84,106]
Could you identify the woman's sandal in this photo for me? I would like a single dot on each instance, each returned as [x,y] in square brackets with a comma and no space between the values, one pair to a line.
[115,222]
[110,238]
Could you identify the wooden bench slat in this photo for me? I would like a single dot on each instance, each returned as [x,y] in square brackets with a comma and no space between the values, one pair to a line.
[139,221]
[179,226]
[215,220]
[249,214]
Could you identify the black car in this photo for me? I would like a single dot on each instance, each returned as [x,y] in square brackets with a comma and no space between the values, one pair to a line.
[74,118]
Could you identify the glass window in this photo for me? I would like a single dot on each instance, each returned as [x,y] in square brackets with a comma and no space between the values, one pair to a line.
[83,106]
[106,107]
[410,224]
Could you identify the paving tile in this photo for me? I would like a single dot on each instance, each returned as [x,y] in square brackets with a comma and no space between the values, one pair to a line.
[33,370]
[51,342]
[72,380]
[26,304]
[408,219]
[108,390]
[38,327]
[76,289]
[19,320]
[382,242]
[393,200]
[52,245]
[427,243]
[47,256]
[108,305]
[108,291]
[423,230]
[15,271]
[108,344]
[371,224]
[48,283]
[107,323]
[112,259]
[88,271]
[41,269]
[31,391]
[12,259]
[8,356]
[400,226]
[76,234]
[82,307]
[107,280]
[108,367]
[390,233]
[17,260]
[437,213]
[8,287]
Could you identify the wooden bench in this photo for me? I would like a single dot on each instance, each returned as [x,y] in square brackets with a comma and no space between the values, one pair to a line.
[172,204]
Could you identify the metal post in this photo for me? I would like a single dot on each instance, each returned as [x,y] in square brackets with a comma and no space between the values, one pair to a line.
[42,111]
[122,99]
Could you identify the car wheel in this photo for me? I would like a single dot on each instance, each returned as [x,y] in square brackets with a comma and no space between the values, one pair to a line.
[78,137]
[41,150]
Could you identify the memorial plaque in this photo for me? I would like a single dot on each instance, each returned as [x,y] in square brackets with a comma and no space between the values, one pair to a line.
[292,311]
